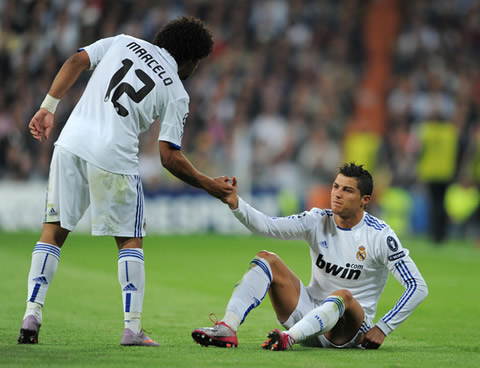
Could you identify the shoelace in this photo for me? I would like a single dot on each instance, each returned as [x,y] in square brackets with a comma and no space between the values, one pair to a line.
[290,341]
[214,321]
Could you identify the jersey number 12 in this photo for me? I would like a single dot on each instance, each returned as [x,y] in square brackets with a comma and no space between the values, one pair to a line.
[135,96]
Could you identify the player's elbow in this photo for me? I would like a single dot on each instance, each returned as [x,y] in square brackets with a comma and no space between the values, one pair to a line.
[422,290]
[167,156]
[167,162]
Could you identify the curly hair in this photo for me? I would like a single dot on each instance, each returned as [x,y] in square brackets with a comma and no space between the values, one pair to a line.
[364,179]
[186,38]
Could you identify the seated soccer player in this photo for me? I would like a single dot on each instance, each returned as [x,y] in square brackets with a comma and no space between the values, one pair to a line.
[352,254]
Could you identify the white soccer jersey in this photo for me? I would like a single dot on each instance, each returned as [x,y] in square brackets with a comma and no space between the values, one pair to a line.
[134,83]
[357,259]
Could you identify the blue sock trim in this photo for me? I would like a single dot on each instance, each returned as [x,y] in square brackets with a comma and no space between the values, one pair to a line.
[264,267]
[338,301]
[47,248]
[131,252]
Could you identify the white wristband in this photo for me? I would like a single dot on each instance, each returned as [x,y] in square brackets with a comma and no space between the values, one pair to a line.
[50,103]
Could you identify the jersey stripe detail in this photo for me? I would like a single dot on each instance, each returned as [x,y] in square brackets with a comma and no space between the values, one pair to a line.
[373,222]
[411,287]
[364,328]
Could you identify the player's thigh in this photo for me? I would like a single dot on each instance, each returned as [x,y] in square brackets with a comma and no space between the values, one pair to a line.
[117,204]
[67,194]
[305,304]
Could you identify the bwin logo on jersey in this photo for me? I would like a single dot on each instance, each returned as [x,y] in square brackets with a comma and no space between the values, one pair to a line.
[336,270]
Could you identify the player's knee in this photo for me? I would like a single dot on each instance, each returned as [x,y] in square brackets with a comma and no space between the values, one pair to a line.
[345,295]
[270,257]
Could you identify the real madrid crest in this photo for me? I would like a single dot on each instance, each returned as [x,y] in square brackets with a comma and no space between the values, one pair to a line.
[361,254]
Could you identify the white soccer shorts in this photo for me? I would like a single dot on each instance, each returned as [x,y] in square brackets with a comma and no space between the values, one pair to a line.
[305,305]
[116,200]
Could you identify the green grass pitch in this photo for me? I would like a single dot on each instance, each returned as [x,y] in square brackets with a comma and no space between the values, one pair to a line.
[189,277]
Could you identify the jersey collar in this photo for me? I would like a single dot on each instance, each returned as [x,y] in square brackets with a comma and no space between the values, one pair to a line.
[170,59]
[357,226]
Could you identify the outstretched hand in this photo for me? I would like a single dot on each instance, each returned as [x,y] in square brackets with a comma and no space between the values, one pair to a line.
[219,187]
[232,198]
[373,338]
[41,124]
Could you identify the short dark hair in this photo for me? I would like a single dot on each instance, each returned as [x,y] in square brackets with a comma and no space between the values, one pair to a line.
[364,179]
[186,38]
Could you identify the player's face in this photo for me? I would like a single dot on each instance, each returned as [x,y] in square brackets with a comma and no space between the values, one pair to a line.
[346,200]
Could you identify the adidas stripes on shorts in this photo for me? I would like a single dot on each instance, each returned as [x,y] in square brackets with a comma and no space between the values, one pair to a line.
[116,200]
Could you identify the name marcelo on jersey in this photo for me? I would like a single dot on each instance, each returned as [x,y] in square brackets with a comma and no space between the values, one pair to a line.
[348,272]
[149,60]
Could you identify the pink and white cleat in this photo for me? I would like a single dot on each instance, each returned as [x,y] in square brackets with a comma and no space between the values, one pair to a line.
[220,335]
[278,340]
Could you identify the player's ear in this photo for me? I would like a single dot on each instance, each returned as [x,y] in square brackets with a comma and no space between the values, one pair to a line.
[365,200]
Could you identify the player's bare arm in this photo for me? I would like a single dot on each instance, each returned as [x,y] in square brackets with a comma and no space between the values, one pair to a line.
[175,162]
[42,122]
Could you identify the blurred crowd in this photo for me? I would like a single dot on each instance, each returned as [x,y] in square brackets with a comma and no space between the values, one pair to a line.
[273,103]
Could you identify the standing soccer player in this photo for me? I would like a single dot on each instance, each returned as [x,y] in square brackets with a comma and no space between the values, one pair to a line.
[352,254]
[95,158]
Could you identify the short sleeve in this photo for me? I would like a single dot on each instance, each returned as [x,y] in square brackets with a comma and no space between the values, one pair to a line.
[97,50]
[173,122]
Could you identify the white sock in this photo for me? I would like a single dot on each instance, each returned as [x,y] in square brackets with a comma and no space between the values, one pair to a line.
[131,275]
[319,320]
[45,259]
[248,293]
[34,309]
